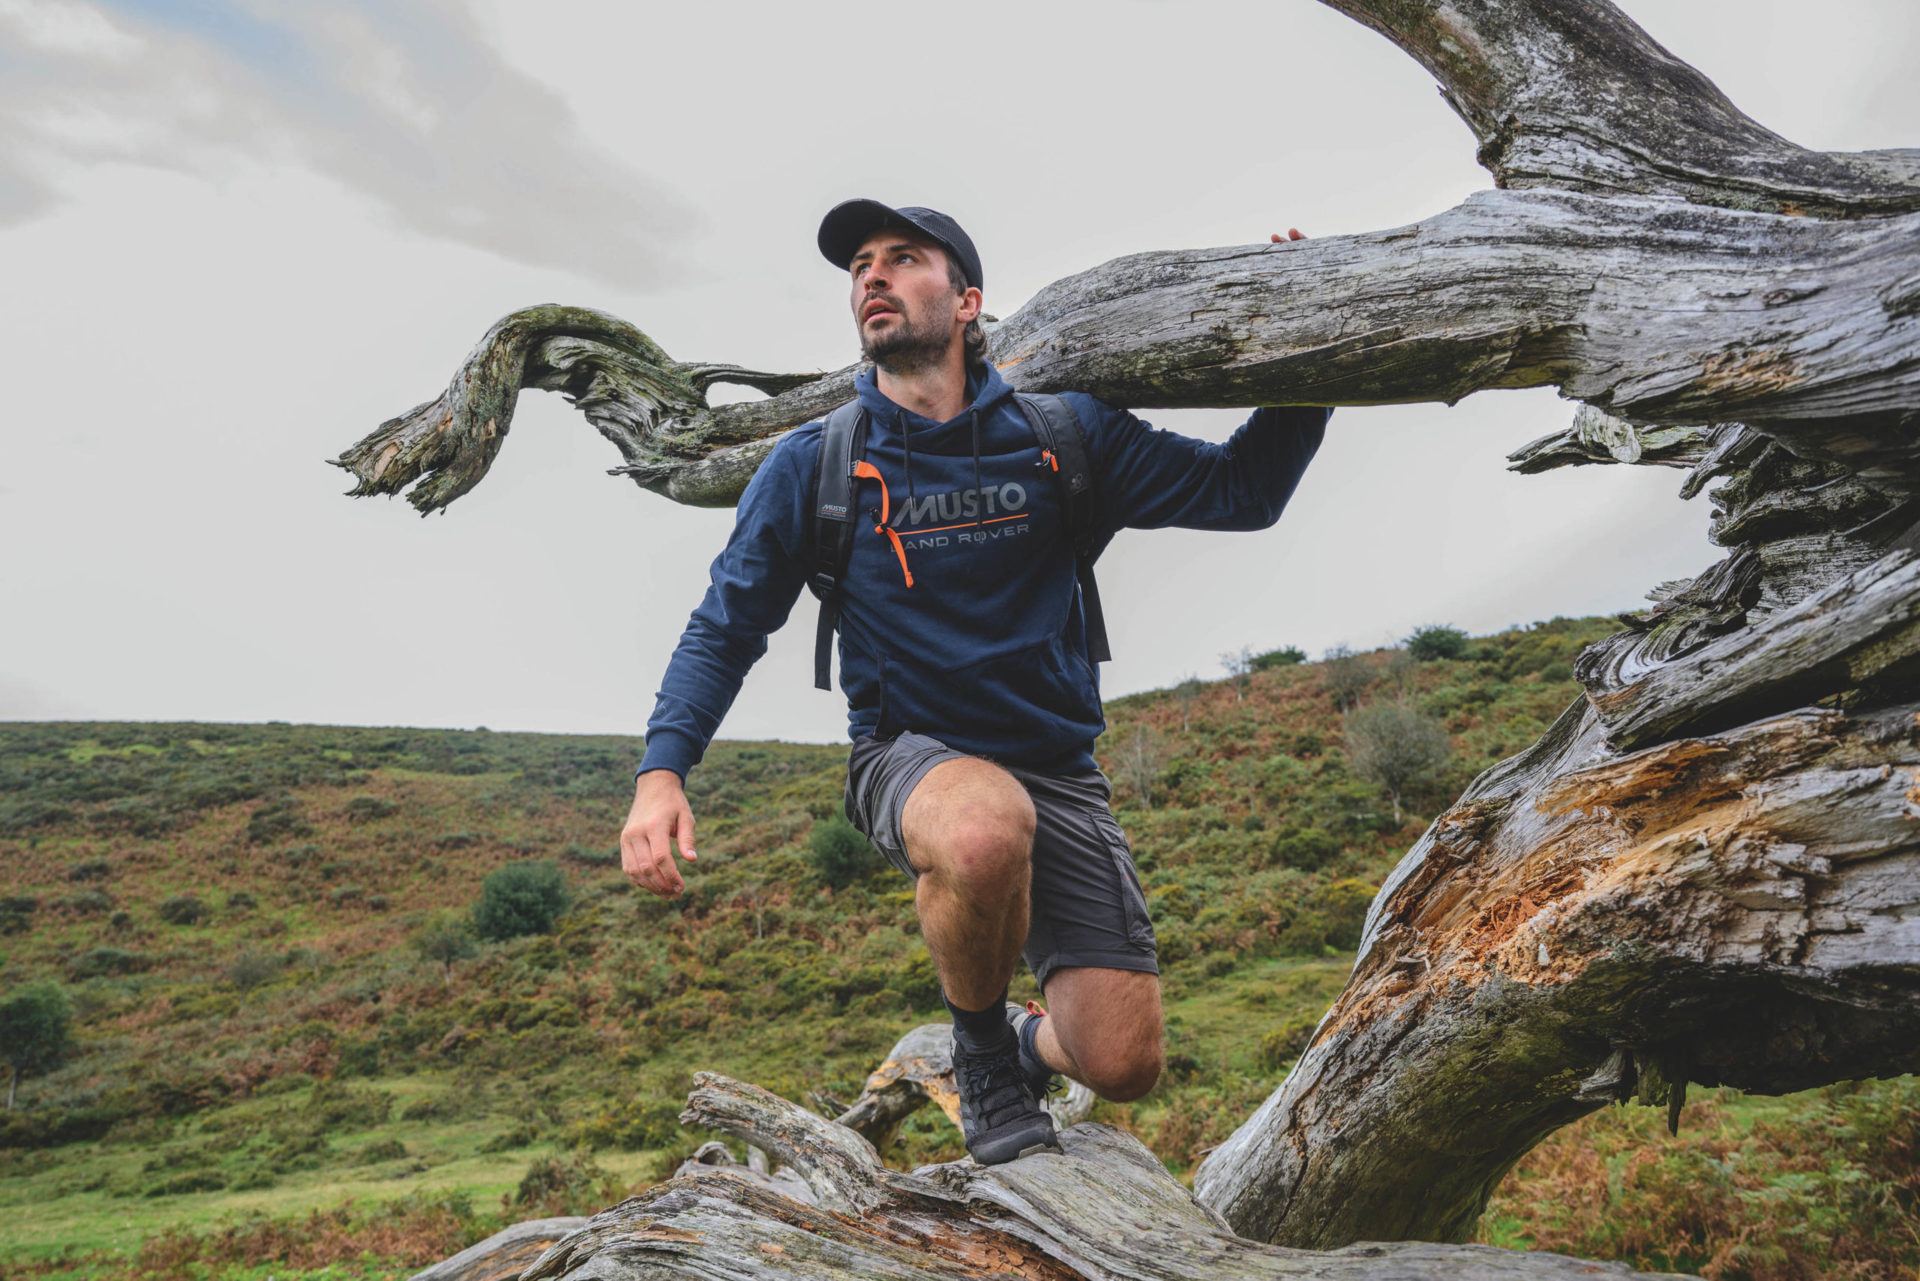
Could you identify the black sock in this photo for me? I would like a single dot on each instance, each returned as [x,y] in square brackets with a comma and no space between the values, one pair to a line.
[982,1031]
[1030,1059]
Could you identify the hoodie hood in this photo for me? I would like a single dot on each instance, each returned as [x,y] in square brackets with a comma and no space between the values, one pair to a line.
[969,432]
[985,389]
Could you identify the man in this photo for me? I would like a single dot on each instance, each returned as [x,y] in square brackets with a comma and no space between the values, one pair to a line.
[973,704]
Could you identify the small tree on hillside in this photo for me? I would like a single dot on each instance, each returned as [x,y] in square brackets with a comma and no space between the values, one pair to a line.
[1142,759]
[443,942]
[1345,674]
[36,1030]
[1239,665]
[520,898]
[1401,666]
[1396,746]
[1186,693]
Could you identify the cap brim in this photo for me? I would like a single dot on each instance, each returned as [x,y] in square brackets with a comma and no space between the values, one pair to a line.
[849,223]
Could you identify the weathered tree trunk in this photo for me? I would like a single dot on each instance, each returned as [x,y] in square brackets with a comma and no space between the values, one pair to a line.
[1705,871]
[1105,1208]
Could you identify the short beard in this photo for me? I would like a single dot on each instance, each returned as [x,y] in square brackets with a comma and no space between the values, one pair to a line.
[908,348]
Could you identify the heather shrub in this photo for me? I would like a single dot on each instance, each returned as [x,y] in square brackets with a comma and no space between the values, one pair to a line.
[183,909]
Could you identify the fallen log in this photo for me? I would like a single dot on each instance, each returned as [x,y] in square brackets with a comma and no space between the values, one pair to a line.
[1105,1208]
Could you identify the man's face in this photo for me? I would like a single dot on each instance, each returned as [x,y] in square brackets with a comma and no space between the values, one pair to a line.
[904,304]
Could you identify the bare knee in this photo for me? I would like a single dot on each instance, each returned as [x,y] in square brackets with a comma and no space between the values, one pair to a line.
[974,826]
[1123,1078]
[987,847]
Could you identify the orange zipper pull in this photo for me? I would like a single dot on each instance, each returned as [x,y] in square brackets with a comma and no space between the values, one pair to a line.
[898,549]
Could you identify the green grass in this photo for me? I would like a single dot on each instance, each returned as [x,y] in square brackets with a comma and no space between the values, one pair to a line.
[1258,859]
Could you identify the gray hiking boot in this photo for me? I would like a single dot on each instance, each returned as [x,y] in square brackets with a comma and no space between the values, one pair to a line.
[1000,1114]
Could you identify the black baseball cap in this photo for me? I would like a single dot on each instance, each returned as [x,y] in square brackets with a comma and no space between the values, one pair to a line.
[849,223]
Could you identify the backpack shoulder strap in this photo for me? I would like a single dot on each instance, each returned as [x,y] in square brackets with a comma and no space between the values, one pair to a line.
[1059,432]
[843,442]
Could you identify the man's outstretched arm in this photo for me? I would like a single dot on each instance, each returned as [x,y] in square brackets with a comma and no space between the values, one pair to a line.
[1152,479]
[756,580]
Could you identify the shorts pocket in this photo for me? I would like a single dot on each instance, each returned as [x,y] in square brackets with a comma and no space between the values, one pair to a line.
[1133,900]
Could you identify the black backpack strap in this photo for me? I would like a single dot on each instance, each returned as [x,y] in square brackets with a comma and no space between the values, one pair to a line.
[843,442]
[1059,432]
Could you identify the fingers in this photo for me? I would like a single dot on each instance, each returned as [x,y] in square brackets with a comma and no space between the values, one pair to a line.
[1293,233]
[647,859]
[683,831]
[660,859]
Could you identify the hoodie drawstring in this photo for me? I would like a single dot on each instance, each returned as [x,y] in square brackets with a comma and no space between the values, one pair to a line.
[979,490]
[906,440]
[870,472]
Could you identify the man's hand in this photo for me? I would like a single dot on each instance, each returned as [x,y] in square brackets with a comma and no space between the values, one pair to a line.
[660,815]
[1293,233]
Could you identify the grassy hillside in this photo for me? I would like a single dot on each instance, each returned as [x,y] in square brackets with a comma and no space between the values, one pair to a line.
[268,1068]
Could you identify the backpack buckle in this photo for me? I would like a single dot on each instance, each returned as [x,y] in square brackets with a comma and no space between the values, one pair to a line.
[823,585]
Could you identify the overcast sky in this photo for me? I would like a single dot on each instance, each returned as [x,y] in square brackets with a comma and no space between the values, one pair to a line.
[236,235]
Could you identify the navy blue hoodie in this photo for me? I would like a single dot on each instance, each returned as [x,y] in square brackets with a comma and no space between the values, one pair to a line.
[986,648]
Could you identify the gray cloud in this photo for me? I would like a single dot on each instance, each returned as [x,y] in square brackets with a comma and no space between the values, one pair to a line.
[404,103]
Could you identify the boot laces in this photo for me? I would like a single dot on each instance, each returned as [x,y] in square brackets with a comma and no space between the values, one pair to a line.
[995,1084]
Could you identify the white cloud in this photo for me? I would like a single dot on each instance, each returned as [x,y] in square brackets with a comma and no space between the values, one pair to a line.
[406,104]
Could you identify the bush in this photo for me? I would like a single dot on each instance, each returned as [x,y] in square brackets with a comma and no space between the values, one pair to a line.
[250,969]
[520,899]
[1436,641]
[1305,935]
[281,816]
[592,857]
[1289,656]
[335,1106]
[381,1150]
[429,1107]
[183,909]
[16,913]
[1288,1041]
[190,1181]
[1305,849]
[575,1186]
[364,809]
[241,901]
[1344,904]
[518,1137]
[100,961]
[840,854]
[90,869]
[299,855]
[87,902]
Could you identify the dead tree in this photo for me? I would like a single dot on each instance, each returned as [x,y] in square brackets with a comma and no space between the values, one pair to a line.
[1705,872]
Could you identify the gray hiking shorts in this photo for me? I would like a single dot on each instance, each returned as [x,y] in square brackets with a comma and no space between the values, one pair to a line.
[1087,908]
